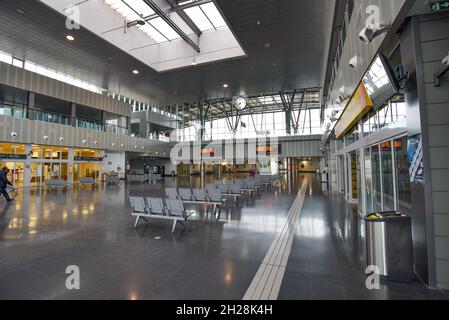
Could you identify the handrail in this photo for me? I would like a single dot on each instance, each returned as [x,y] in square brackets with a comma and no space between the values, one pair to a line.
[55,117]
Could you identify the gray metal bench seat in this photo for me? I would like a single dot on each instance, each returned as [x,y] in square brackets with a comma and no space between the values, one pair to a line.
[153,208]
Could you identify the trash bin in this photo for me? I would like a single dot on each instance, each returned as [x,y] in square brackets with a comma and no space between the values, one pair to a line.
[389,245]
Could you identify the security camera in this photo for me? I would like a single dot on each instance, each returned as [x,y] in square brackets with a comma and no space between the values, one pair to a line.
[368,34]
[61,139]
[95,142]
[353,63]
[46,138]
[13,134]
[84,141]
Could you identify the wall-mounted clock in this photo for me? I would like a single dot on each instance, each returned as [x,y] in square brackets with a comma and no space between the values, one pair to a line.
[240,103]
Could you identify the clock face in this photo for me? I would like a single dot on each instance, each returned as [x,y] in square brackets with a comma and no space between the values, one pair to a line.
[240,103]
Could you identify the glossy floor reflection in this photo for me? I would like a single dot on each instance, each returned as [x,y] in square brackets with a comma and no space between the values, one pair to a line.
[43,233]
[327,259]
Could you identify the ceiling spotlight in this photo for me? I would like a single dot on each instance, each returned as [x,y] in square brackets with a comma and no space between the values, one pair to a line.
[135,71]
[225,85]
[70,37]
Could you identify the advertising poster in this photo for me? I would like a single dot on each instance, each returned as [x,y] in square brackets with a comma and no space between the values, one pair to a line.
[415,159]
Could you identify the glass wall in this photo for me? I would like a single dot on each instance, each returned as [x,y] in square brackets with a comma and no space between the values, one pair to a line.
[402,175]
[376,177]
[386,177]
[388,190]
[256,125]
[368,181]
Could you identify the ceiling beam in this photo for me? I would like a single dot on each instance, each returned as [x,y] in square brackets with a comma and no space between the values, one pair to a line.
[170,22]
[185,17]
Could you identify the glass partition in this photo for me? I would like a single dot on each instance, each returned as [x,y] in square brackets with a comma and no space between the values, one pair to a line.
[387,177]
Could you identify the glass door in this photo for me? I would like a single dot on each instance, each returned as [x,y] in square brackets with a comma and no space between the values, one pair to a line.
[388,190]
[368,181]
[36,174]
[376,178]
[16,173]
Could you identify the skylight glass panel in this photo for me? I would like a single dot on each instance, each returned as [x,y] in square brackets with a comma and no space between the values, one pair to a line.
[131,9]
[199,18]
[153,33]
[213,14]
[164,28]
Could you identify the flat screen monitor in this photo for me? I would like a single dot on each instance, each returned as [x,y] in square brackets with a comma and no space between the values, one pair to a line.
[380,82]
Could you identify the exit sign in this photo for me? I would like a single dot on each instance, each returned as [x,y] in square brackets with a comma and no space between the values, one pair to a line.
[438,6]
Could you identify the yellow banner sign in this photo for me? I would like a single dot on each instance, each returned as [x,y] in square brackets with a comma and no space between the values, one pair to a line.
[358,106]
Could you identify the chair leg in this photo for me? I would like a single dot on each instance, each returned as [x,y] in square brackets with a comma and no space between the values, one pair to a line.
[174,226]
[137,221]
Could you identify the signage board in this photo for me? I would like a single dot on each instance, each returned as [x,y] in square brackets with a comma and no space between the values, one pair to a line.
[4,156]
[439,6]
[358,106]
[88,159]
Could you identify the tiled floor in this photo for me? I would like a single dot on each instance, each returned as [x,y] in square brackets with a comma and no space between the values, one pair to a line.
[327,259]
[41,234]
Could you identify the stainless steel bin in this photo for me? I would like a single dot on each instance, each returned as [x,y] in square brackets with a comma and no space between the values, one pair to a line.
[389,245]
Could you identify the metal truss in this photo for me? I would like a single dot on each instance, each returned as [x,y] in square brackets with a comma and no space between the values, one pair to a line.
[291,102]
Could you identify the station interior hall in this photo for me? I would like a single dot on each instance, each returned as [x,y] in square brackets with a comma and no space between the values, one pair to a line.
[224,150]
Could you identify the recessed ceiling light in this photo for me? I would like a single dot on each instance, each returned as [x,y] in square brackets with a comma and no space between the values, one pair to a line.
[135,71]
[70,37]
[225,85]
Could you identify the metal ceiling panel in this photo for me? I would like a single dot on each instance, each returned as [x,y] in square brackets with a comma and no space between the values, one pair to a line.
[284,41]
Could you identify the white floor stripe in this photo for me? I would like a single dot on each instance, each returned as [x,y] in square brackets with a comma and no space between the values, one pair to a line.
[268,279]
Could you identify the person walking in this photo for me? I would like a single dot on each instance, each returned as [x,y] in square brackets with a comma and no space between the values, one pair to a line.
[4,182]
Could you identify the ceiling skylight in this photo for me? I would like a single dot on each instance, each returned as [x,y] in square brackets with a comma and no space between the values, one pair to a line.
[164,28]
[133,10]
[206,16]
[199,18]
[213,14]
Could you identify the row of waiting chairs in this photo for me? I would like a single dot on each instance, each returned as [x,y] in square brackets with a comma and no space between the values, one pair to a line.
[147,208]
[212,197]
[55,185]
[143,178]
[113,179]
[87,182]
